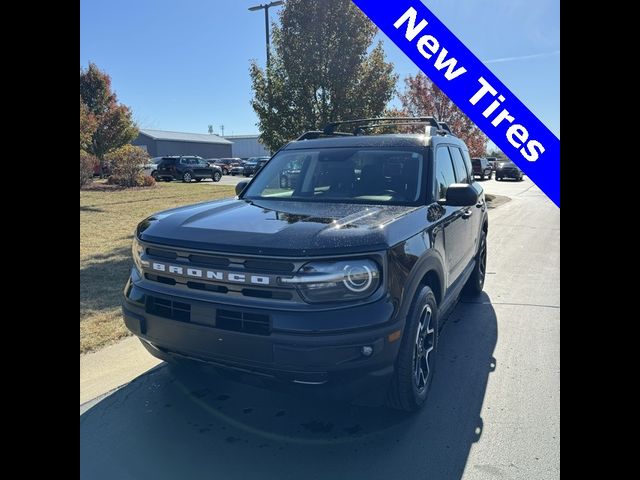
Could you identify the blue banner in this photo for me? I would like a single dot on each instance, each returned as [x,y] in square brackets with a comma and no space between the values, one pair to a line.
[472,87]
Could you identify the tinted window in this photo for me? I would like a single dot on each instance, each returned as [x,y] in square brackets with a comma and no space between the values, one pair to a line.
[462,176]
[467,162]
[444,172]
[350,175]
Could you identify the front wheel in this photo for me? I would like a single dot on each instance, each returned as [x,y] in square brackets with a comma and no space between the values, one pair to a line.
[216,176]
[154,174]
[186,178]
[475,283]
[416,359]
[482,176]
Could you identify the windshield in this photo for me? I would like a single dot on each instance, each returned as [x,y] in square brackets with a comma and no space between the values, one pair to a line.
[347,175]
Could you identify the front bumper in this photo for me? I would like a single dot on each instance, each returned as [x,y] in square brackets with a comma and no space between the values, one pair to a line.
[334,364]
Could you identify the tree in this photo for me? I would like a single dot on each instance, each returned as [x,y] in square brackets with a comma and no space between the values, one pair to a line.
[423,97]
[88,126]
[114,126]
[320,70]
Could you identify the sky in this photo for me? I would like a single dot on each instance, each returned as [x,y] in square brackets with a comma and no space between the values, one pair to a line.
[182,65]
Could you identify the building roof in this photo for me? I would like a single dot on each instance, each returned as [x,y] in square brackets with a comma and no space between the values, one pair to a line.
[184,137]
[241,137]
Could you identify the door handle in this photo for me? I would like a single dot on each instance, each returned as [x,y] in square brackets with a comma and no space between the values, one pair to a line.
[480,204]
[467,213]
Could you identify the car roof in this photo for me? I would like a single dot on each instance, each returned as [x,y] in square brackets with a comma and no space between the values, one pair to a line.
[386,140]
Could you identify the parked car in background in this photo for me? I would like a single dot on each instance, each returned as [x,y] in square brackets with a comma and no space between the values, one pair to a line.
[481,168]
[186,168]
[508,169]
[226,164]
[253,165]
[238,169]
[151,167]
[493,161]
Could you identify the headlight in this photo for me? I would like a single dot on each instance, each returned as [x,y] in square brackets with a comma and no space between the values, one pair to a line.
[137,250]
[336,281]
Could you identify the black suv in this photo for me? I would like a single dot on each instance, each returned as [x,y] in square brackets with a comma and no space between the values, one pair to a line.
[508,169]
[253,165]
[481,168]
[336,284]
[186,168]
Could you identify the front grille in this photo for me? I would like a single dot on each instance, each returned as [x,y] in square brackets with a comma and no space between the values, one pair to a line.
[228,263]
[269,266]
[168,309]
[245,322]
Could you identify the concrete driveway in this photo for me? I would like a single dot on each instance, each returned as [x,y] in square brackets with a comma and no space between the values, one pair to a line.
[493,411]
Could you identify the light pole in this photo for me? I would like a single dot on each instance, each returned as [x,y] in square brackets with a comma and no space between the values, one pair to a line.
[265,7]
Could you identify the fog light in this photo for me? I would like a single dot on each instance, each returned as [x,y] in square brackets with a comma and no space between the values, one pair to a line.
[367,350]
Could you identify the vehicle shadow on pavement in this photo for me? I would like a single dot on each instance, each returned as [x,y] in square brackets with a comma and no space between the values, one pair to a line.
[203,426]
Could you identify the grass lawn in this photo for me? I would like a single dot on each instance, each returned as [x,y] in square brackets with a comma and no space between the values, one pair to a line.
[107,220]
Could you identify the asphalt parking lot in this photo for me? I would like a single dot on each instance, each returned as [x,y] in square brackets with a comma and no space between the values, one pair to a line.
[493,411]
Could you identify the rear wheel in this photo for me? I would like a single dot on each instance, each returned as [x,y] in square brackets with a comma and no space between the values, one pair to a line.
[416,359]
[154,174]
[216,176]
[186,178]
[482,176]
[475,284]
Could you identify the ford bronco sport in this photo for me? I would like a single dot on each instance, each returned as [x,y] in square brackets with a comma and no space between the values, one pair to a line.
[337,282]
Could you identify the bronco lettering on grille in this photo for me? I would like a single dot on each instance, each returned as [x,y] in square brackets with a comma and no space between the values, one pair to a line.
[212,274]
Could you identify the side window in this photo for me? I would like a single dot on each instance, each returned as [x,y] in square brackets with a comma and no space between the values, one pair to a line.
[467,162]
[462,176]
[184,161]
[444,172]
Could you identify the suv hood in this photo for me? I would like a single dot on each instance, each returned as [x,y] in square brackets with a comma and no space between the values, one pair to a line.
[283,228]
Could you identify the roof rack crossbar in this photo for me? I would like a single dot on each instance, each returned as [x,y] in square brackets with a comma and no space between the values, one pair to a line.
[313,134]
[330,128]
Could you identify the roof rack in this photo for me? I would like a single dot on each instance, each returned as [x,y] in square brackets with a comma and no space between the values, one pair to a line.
[330,128]
[445,126]
[313,134]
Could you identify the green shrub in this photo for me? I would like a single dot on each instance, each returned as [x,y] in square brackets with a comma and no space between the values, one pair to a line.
[139,181]
[87,164]
[127,163]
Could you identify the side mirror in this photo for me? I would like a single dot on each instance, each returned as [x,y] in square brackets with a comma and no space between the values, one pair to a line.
[240,186]
[461,195]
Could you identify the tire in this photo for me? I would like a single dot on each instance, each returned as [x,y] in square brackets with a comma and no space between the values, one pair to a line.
[482,176]
[490,175]
[187,177]
[154,174]
[475,283]
[198,180]
[216,176]
[520,178]
[412,379]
